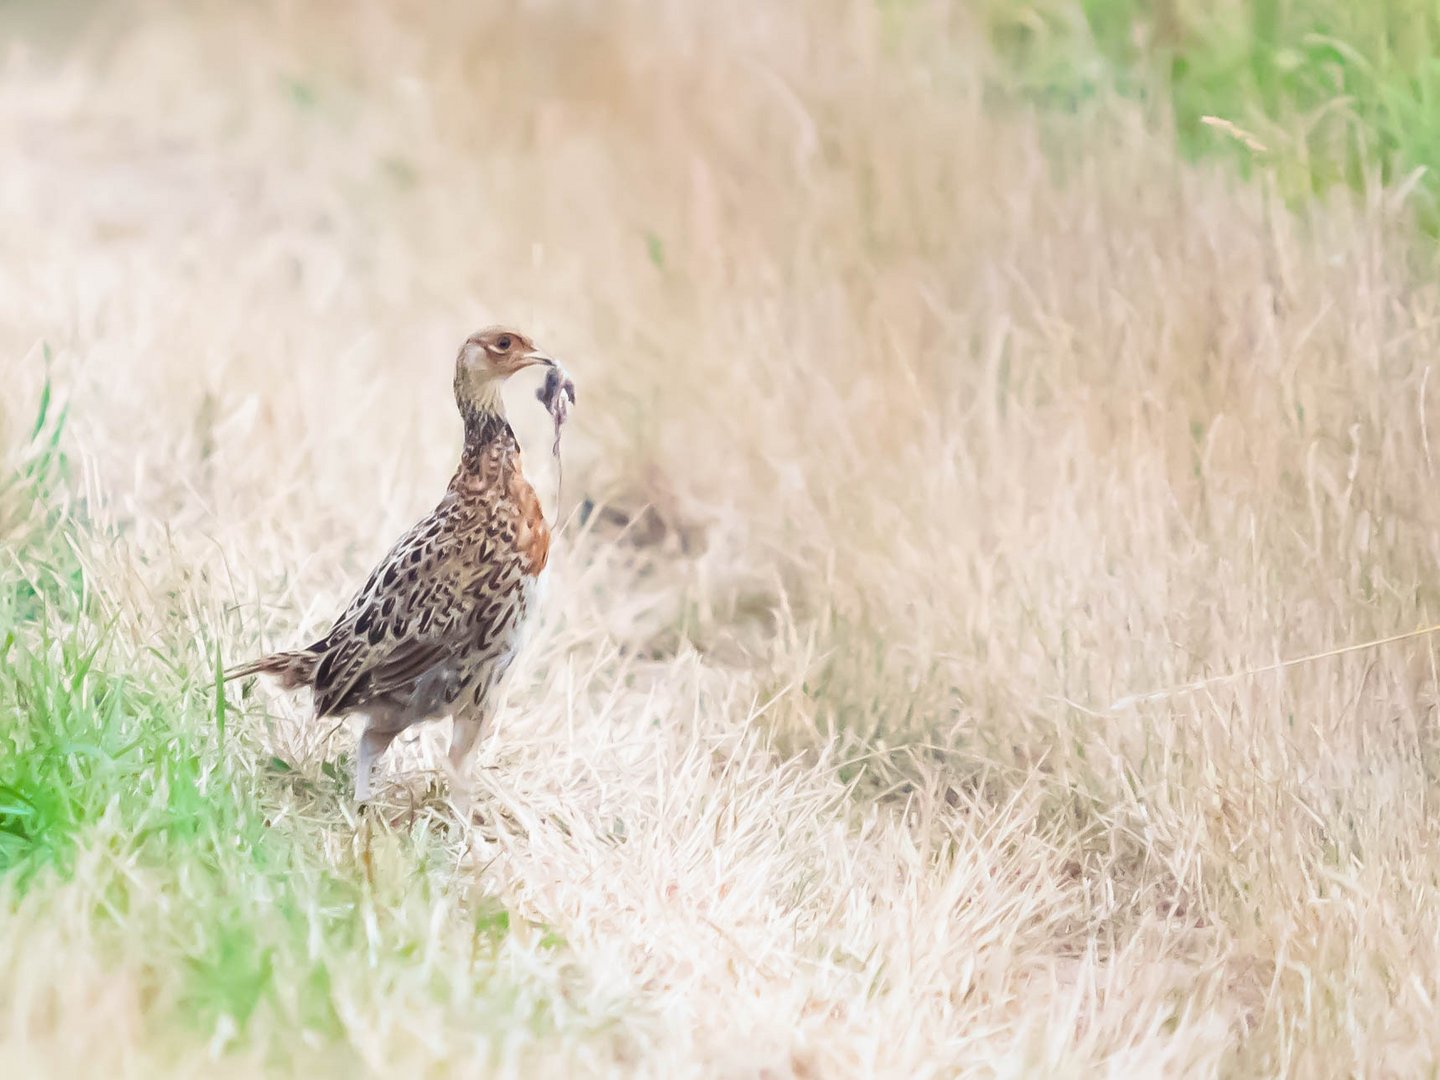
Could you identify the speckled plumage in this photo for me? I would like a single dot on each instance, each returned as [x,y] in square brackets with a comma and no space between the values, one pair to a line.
[437,623]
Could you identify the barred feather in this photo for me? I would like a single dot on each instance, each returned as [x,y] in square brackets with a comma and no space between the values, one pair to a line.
[293,669]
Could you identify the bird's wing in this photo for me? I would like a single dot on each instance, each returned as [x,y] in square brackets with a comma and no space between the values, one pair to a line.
[363,673]
[401,561]
[417,610]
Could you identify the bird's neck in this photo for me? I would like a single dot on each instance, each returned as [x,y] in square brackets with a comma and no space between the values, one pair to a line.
[489,440]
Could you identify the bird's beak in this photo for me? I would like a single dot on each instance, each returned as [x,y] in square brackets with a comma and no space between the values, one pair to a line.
[538,357]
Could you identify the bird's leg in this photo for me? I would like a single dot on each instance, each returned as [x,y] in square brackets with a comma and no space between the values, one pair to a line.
[373,743]
[467,729]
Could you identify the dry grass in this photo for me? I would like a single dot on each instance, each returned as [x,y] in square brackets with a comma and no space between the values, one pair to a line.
[937,430]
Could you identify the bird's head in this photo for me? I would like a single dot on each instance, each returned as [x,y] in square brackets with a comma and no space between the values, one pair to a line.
[486,360]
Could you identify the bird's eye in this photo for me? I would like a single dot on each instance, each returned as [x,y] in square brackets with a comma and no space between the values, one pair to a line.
[503,343]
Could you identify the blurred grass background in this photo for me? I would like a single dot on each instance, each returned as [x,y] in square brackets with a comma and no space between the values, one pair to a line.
[1334,92]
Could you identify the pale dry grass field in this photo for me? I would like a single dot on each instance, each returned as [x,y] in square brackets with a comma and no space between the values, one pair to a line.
[912,430]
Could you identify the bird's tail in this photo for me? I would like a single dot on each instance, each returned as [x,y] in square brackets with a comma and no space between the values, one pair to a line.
[292,669]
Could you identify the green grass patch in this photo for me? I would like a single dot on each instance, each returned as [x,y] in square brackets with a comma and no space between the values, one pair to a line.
[1316,92]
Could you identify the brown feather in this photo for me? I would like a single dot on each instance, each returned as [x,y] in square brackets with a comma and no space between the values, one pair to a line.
[293,669]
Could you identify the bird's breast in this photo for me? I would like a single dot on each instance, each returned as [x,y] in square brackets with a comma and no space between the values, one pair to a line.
[532,533]
[507,508]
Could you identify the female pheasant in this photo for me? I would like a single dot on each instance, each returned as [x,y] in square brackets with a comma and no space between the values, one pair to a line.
[438,622]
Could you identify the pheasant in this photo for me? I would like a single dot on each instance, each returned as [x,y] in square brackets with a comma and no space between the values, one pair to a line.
[436,625]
